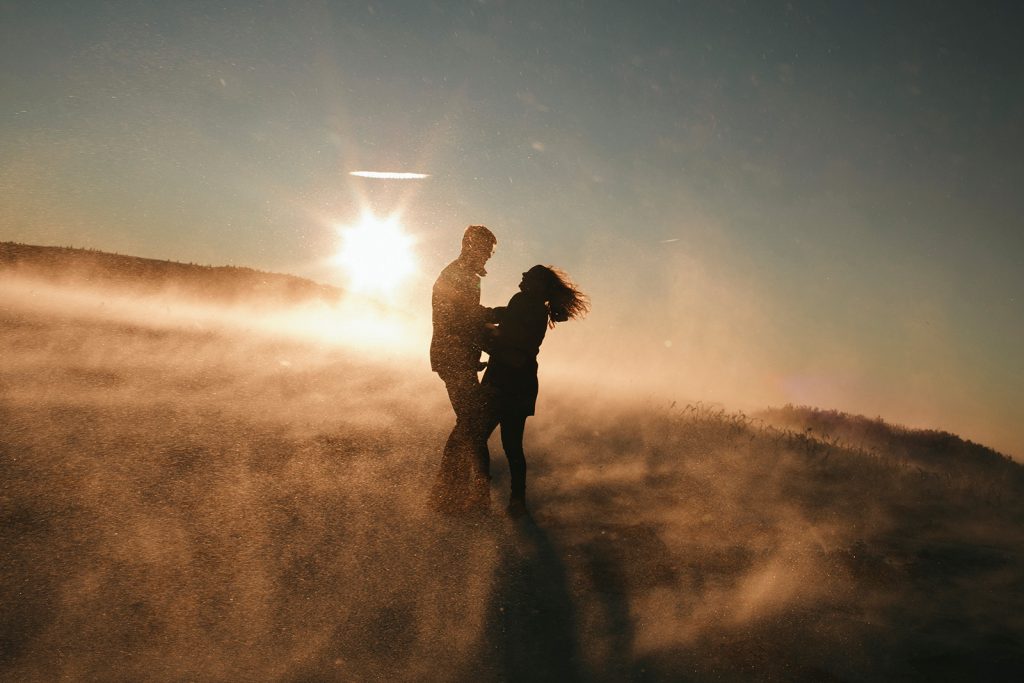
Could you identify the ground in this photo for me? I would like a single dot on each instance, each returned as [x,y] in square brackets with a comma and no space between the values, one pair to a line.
[193,503]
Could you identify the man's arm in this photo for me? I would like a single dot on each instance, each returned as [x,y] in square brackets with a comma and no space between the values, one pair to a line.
[492,315]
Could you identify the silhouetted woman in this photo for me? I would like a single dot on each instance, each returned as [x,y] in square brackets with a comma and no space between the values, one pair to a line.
[546,296]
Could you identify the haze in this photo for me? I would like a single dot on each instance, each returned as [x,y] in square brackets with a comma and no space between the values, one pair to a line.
[767,203]
[193,490]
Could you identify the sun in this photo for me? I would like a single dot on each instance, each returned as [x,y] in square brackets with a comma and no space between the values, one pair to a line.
[377,254]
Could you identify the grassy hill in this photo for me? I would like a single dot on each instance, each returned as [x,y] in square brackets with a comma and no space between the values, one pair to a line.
[928,451]
[182,504]
[223,284]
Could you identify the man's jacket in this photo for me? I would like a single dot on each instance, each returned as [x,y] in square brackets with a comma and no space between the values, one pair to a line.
[458,320]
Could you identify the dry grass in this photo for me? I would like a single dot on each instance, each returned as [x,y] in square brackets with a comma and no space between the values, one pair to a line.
[198,505]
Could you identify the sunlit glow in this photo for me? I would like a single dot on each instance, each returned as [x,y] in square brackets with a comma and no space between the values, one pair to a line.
[390,175]
[371,327]
[377,255]
[372,330]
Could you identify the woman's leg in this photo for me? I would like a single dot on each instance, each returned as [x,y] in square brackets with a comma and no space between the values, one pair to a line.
[512,428]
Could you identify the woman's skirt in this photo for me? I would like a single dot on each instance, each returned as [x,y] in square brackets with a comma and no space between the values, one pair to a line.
[513,389]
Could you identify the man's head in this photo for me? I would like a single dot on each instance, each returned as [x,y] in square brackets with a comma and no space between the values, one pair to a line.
[477,246]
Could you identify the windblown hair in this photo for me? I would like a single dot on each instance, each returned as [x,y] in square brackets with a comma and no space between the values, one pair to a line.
[565,300]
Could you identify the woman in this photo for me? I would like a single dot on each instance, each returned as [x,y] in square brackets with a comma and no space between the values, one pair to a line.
[546,296]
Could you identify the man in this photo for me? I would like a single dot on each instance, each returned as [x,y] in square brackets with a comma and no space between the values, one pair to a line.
[463,482]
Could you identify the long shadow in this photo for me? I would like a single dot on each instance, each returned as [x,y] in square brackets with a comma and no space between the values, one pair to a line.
[531,631]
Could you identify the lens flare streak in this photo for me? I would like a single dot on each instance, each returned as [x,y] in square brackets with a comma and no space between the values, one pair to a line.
[390,175]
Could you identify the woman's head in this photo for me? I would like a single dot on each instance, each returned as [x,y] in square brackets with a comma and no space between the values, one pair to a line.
[565,301]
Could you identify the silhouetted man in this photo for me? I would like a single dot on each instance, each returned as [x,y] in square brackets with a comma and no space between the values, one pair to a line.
[463,481]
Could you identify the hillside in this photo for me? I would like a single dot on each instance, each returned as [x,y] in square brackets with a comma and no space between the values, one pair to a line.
[937,452]
[223,284]
[203,504]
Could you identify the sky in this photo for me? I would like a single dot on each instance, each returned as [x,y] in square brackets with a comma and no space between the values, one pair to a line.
[768,202]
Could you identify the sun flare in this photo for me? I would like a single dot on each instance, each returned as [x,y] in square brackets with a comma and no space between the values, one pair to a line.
[377,254]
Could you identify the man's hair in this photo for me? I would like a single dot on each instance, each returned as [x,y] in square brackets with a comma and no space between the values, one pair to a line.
[478,237]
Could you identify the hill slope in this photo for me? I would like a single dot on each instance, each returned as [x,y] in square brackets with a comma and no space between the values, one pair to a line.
[937,452]
[223,284]
[182,504]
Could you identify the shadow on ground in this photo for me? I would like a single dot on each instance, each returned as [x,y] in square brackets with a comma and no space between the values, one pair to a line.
[195,506]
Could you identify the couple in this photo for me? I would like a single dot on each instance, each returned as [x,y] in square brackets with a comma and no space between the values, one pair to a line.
[506,396]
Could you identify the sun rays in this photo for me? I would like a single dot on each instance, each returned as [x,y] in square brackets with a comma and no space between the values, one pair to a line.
[376,255]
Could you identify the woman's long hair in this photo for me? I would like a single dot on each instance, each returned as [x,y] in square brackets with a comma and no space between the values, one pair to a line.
[565,300]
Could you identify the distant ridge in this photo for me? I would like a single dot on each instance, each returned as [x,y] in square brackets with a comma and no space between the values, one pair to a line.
[224,284]
[925,449]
